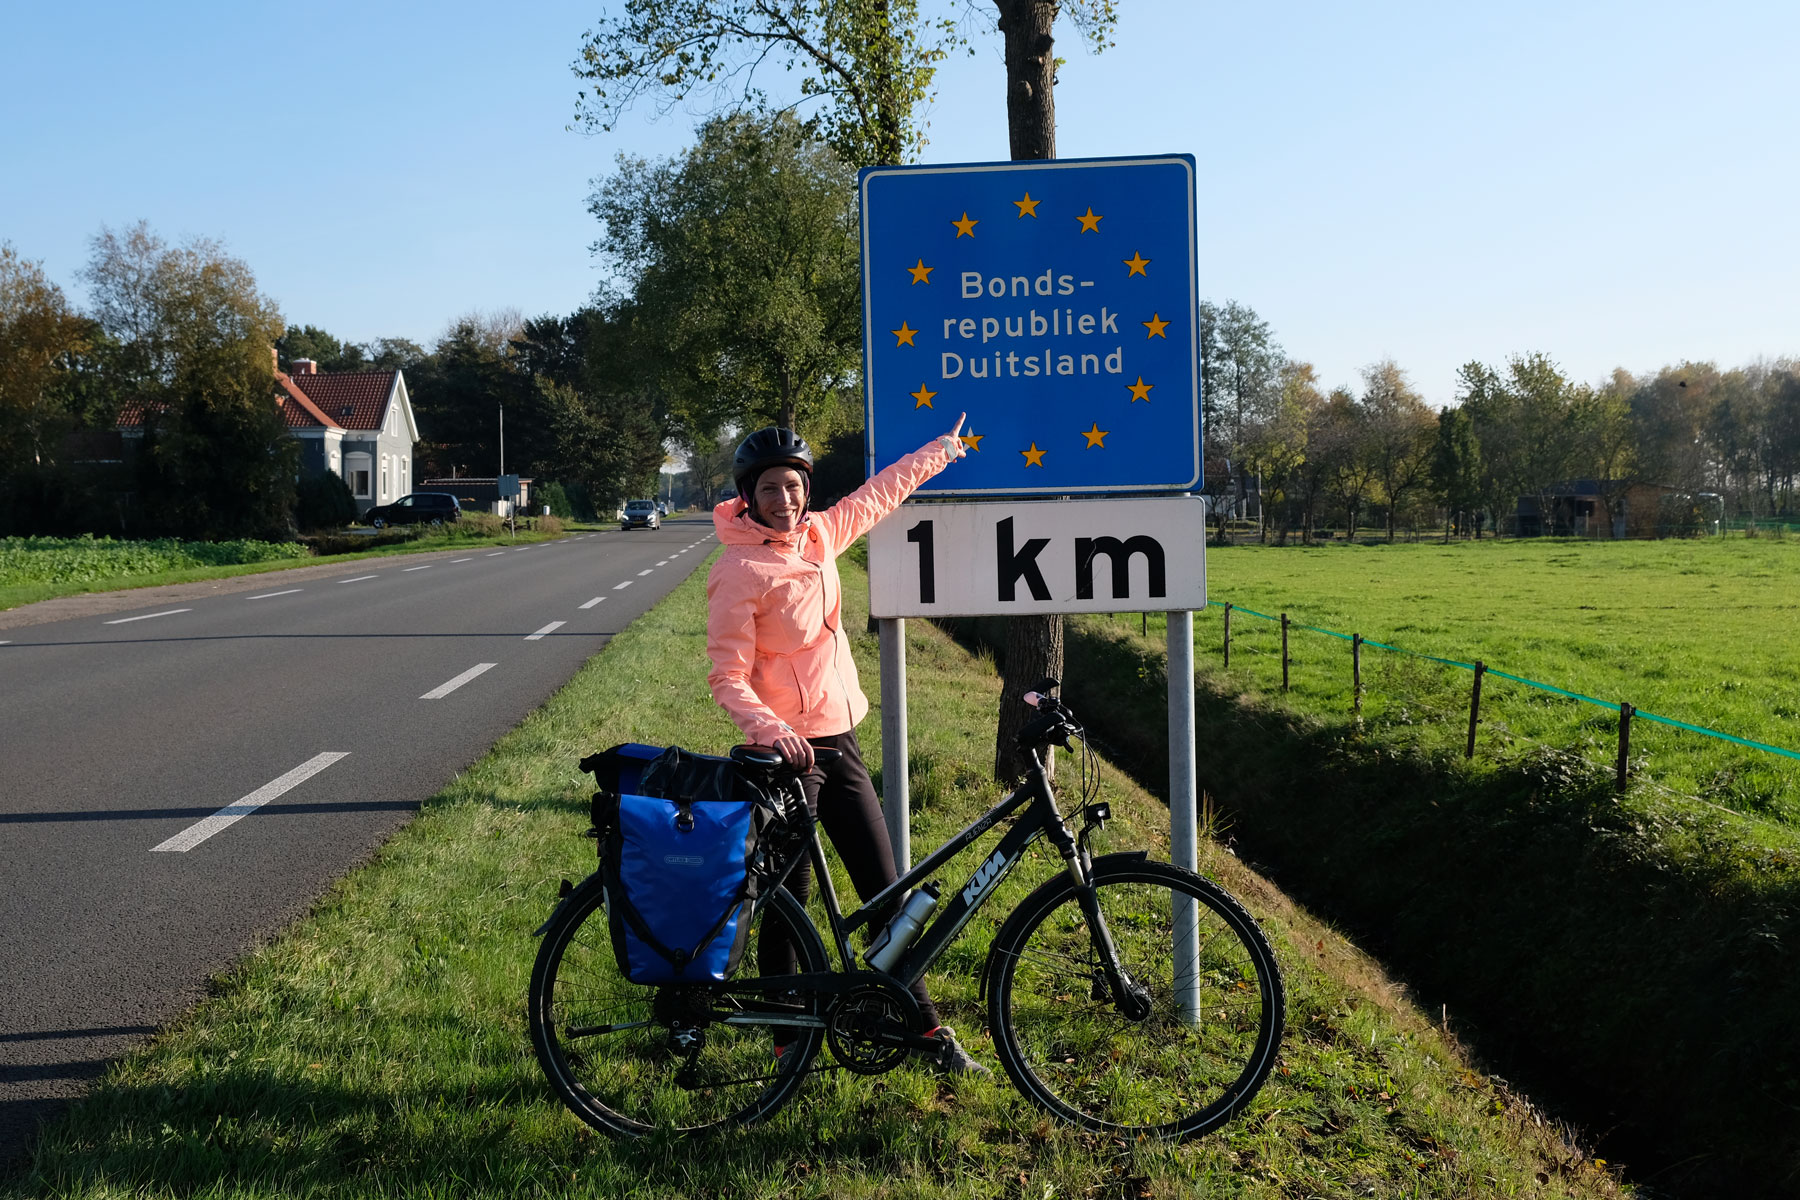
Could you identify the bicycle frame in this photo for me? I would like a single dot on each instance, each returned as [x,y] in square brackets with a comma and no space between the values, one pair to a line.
[1042,820]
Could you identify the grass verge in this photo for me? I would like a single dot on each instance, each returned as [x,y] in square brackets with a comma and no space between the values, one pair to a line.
[1625,958]
[378,1047]
[15,594]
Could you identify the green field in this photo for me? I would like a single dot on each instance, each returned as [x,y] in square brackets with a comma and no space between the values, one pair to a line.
[378,1047]
[1706,632]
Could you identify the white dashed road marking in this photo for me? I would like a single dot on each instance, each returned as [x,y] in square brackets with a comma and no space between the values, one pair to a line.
[619,587]
[356,579]
[426,567]
[169,612]
[439,692]
[267,595]
[497,554]
[643,573]
[594,601]
[552,627]
[457,560]
[200,830]
[663,563]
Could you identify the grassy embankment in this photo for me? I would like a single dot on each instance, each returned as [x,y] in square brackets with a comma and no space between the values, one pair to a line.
[34,569]
[1628,957]
[378,1047]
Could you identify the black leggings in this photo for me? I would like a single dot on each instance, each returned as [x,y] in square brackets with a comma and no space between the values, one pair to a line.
[843,798]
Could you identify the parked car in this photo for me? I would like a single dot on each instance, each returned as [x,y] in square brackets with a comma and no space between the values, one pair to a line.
[416,508]
[640,513]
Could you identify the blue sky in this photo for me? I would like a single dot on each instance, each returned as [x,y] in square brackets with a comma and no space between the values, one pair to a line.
[1611,183]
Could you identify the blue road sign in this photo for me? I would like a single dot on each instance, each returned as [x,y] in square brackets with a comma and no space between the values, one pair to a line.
[1056,302]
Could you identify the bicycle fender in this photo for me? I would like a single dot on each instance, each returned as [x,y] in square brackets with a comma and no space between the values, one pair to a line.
[578,890]
[1060,883]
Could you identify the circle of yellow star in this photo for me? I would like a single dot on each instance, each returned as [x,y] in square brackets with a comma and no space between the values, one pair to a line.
[1156,325]
[965,227]
[1137,262]
[923,396]
[973,441]
[921,273]
[1089,222]
[1096,436]
[1033,457]
[904,334]
[1140,390]
[1027,206]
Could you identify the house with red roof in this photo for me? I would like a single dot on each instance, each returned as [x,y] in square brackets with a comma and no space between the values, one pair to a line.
[358,425]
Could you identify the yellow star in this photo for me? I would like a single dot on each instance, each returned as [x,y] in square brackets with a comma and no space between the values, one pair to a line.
[904,334]
[1137,262]
[1089,222]
[1033,457]
[1096,436]
[973,441]
[1140,390]
[1156,325]
[923,396]
[965,227]
[1027,206]
[921,273]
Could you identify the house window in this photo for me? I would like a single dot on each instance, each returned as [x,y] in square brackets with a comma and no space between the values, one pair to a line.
[384,477]
[358,469]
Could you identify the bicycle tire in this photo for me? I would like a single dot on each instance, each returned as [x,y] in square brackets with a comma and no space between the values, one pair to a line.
[623,1081]
[1067,1046]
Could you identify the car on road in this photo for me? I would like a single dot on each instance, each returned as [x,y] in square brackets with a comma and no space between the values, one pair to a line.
[416,508]
[640,514]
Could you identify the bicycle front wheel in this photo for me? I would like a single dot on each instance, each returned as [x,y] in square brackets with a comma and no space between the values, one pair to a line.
[1188,1049]
[631,1059]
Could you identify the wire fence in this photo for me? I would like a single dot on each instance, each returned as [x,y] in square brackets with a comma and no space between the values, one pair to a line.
[1627,713]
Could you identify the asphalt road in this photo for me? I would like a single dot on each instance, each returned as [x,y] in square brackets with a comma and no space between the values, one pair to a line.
[318,713]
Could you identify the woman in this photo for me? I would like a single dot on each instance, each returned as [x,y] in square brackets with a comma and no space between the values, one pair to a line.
[781,665]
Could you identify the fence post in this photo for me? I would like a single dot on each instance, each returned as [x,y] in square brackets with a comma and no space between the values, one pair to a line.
[1284,652]
[1475,706]
[1356,673]
[1228,634]
[1625,711]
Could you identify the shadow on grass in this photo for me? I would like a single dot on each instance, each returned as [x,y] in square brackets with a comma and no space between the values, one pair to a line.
[1629,963]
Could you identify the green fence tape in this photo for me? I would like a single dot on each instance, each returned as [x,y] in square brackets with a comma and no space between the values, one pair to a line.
[1726,737]
[1546,687]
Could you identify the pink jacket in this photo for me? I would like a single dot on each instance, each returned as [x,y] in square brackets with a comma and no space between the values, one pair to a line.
[774,617]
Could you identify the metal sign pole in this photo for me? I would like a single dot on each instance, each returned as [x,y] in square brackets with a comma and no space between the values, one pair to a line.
[896,795]
[1183,809]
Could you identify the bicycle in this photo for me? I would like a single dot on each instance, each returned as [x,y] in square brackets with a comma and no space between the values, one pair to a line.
[1088,1012]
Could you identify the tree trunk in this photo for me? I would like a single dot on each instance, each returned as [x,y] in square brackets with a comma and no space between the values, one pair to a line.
[1034,645]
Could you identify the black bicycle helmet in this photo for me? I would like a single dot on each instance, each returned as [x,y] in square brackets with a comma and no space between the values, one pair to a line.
[770,447]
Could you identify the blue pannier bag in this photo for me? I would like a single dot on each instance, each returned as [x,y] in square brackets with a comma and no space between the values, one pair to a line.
[678,839]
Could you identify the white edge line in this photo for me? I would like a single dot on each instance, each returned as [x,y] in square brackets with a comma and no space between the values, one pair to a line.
[146,616]
[204,828]
[266,595]
[589,604]
[442,690]
[552,627]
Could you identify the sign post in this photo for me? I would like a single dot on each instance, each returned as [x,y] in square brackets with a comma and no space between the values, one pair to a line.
[1056,303]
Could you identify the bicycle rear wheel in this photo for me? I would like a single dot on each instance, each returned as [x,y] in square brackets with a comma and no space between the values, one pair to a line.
[631,1059]
[1068,1046]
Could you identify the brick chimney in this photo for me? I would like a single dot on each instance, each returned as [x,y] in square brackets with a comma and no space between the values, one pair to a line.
[275,359]
[305,366]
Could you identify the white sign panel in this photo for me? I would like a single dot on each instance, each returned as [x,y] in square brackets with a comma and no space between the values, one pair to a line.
[1026,557]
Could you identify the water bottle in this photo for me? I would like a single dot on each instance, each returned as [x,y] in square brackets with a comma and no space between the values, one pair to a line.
[892,942]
